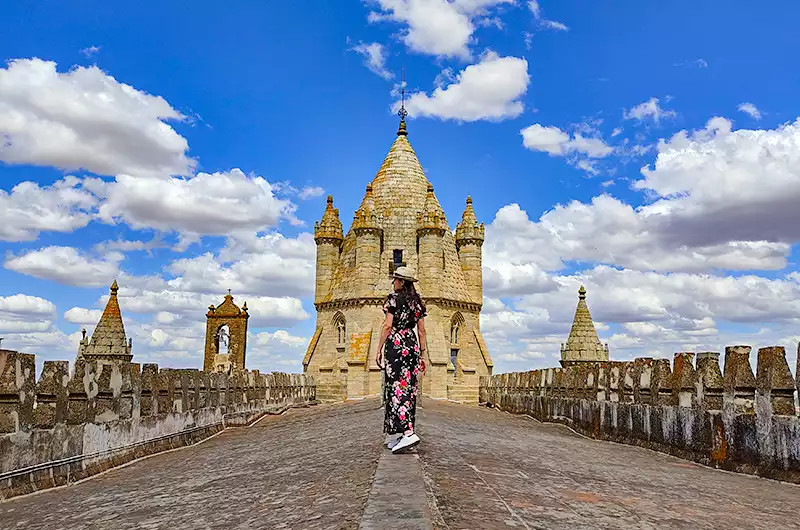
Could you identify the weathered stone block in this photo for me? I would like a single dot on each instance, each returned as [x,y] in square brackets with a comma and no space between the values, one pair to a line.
[149,384]
[51,395]
[684,380]
[739,381]
[774,381]
[17,391]
[709,381]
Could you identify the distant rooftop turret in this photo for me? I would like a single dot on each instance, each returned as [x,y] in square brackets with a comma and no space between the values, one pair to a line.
[583,343]
[108,342]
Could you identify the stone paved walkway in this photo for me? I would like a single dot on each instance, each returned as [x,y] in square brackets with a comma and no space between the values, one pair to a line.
[480,469]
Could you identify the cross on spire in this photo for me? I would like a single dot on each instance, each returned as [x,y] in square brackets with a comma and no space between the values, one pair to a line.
[402,112]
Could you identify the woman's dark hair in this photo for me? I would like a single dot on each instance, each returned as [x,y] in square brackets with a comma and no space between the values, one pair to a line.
[412,296]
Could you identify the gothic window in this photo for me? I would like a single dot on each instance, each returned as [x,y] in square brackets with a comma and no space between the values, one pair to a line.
[341,329]
[454,356]
[456,325]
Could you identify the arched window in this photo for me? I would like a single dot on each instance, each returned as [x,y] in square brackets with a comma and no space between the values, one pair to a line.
[340,325]
[223,340]
[456,326]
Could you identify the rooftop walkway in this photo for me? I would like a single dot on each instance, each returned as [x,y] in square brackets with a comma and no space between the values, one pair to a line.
[477,468]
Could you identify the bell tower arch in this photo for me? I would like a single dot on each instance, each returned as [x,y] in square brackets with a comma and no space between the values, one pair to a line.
[226,323]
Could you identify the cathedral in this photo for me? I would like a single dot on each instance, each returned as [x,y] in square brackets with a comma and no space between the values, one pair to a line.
[400,222]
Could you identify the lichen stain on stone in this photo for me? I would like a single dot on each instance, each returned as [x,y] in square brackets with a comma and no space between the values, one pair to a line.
[720,451]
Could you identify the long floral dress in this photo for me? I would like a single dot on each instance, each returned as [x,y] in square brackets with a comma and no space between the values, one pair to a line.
[402,354]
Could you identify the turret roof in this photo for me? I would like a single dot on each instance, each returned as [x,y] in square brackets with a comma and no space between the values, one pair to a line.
[399,193]
[583,342]
[108,338]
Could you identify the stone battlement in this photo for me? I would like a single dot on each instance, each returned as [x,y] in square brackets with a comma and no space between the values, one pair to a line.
[736,420]
[69,426]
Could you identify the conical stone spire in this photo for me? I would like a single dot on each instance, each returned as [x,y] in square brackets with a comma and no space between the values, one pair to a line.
[583,343]
[329,227]
[469,231]
[108,342]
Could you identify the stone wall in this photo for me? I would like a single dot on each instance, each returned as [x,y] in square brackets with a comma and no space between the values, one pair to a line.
[736,420]
[66,427]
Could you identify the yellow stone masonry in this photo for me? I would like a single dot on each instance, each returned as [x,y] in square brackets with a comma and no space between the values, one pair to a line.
[399,220]
[583,343]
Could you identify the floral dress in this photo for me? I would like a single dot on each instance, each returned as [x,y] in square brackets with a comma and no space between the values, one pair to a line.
[402,354]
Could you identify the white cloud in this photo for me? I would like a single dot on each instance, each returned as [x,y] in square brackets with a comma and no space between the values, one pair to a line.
[374,55]
[86,119]
[536,8]
[553,24]
[30,209]
[752,110]
[436,27]
[80,315]
[654,315]
[610,231]
[91,50]
[66,265]
[206,204]
[556,142]
[488,90]
[26,324]
[649,109]
[310,192]
[27,306]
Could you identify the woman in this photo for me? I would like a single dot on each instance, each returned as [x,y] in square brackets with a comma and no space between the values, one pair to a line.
[404,310]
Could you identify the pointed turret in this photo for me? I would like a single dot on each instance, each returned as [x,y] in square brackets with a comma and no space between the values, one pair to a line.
[468,230]
[108,342]
[469,243]
[432,216]
[329,227]
[368,245]
[583,343]
[365,215]
[328,236]
[431,227]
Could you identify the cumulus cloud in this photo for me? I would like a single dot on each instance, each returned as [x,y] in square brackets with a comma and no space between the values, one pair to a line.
[29,209]
[80,315]
[750,109]
[66,265]
[374,55]
[205,204]
[436,27]
[649,110]
[86,119]
[26,324]
[556,142]
[717,185]
[488,90]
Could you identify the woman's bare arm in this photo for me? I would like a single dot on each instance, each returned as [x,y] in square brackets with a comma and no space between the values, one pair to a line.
[423,341]
[386,329]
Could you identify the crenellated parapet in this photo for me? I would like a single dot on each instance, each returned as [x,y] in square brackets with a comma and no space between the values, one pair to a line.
[731,419]
[67,426]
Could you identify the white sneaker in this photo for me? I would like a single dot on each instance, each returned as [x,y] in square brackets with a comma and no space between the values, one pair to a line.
[406,442]
[393,440]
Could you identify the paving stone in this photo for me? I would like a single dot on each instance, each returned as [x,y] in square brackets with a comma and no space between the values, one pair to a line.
[308,469]
[477,468]
[489,469]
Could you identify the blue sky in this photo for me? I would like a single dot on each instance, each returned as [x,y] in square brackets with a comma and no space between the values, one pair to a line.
[545,112]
